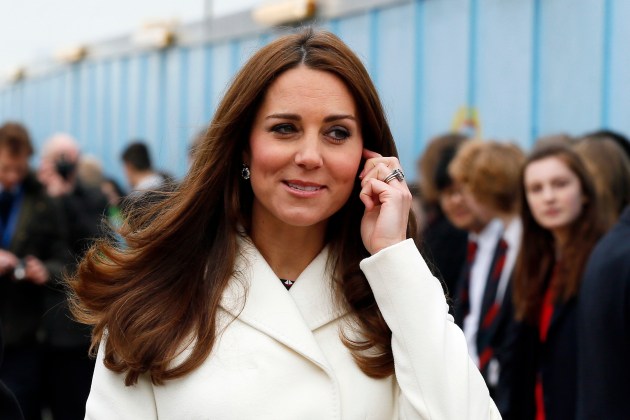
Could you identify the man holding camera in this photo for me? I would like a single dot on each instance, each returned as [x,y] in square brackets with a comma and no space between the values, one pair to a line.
[68,369]
[32,253]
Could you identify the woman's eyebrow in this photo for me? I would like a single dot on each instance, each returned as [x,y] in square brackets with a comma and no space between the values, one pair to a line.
[284,117]
[296,117]
[339,117]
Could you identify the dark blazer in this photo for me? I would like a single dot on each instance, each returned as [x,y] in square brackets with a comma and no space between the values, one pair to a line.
[556,362]
[83,210]
[445,249]
[604,327]
[39,232]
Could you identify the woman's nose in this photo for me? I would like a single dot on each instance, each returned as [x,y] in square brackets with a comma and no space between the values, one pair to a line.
[308,154]
[548,193]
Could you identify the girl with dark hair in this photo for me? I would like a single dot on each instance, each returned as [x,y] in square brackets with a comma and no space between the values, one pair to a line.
[277,281]
[561,225]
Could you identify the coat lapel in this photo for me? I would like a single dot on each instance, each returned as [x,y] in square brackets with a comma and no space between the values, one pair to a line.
[257,297]
[314,296]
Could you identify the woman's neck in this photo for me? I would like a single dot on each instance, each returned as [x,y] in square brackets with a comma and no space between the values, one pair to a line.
[288,250]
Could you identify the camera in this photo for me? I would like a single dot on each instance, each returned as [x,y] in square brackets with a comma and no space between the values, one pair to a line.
[64,167]
[19,272]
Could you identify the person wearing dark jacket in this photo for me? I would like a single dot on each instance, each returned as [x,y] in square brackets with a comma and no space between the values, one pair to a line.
[561,225]
[67,367]
[604,327]
[32,255]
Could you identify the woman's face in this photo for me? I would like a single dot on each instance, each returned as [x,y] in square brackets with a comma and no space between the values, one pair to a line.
[305,148]
[554,193]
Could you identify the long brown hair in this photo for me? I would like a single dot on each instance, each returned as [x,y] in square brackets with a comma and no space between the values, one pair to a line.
[164,286]
[537,254]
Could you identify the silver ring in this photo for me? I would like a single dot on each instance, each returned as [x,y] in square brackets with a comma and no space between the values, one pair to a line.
[396,174]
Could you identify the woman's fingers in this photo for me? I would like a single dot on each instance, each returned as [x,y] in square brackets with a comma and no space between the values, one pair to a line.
[387,201]
[369,196]
[384,173]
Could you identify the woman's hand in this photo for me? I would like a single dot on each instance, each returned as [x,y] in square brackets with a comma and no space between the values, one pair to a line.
[387,205]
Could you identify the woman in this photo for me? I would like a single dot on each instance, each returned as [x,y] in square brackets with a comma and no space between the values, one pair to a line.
[560,227]
[294,187]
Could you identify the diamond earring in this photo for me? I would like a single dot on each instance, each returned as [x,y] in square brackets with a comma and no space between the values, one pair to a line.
[245,173]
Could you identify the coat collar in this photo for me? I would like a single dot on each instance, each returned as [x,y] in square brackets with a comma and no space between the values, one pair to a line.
[256,297]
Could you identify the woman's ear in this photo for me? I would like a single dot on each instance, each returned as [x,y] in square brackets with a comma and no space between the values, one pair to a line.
[245,157]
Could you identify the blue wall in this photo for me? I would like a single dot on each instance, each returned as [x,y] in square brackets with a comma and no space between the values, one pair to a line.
[529,67]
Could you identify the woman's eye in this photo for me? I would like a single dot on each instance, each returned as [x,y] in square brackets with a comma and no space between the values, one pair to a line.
[283,128]
[533,188]
[560,183]
[338,133]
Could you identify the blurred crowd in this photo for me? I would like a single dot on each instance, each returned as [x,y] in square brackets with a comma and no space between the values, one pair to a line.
[534,254]
[533,251]
[49,217]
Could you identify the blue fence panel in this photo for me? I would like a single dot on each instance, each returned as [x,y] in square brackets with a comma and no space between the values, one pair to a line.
[137,96]
[197,117]
[92,138]
[44,124]
[107,116]
[222,70]
[122,100]
[75,109]
[446,63]
[29,115]
[154,94]
[184,129]
[34,108]
[118,72]
[503,75]
[571,76]
[396,79]
[355,32]
[167,154]
[207,87]
[619,67]
[245,49]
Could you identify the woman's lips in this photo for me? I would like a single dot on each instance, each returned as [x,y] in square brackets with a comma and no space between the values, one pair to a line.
[303,188]
[551,212]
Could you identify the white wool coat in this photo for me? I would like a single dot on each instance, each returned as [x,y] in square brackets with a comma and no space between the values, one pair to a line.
[280,355]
